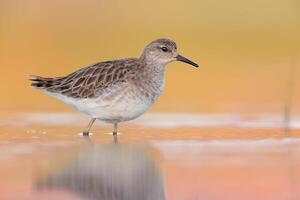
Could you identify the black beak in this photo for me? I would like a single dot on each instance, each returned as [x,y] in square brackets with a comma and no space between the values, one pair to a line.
[183,59]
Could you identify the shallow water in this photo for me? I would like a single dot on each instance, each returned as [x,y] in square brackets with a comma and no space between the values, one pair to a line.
[159,156]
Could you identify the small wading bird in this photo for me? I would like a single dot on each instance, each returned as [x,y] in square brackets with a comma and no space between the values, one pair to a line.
[117,90]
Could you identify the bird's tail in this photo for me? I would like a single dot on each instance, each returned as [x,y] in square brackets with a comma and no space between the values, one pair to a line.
[41,82]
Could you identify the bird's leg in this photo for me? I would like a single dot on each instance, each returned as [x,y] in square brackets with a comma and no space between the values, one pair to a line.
[115,132]
[87,132]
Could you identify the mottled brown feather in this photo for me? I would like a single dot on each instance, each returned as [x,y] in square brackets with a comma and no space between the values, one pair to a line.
[89,81]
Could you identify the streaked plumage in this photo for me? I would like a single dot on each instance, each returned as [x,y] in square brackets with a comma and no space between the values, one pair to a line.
[117,90]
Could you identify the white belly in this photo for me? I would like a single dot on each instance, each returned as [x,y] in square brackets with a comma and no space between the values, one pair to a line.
[128,107]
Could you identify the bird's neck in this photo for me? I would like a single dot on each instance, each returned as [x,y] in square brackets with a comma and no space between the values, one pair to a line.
[151,80]
[154,77]
[152,66]
[153,72]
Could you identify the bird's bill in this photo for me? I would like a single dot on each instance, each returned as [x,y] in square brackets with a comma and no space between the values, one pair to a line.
[183,59]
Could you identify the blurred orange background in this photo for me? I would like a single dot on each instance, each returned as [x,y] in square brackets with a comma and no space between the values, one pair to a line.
[246,49]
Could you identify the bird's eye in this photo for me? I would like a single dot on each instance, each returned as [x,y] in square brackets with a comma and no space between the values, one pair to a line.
[164,49]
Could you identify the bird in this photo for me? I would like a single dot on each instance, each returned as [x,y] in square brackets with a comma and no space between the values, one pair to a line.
[115,91]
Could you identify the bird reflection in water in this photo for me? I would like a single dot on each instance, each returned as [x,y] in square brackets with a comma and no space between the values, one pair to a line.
[108,172]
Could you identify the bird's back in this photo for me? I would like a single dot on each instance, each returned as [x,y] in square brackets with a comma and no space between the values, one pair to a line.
[88,82]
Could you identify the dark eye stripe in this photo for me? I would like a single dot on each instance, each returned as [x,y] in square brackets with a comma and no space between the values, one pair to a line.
[164,49]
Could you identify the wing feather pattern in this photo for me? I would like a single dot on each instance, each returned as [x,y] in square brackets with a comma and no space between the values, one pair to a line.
[91,81]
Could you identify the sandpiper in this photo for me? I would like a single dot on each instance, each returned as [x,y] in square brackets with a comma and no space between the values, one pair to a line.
[117,90]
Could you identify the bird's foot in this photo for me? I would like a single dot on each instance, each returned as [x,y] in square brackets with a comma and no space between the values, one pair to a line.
[113,133]
[85,133]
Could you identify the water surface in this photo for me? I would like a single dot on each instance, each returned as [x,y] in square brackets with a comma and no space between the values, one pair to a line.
[159,156]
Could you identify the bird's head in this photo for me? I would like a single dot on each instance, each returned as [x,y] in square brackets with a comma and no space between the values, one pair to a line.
[163,51]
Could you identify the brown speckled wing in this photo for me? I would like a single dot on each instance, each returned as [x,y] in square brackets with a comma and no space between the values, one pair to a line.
[89,82]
